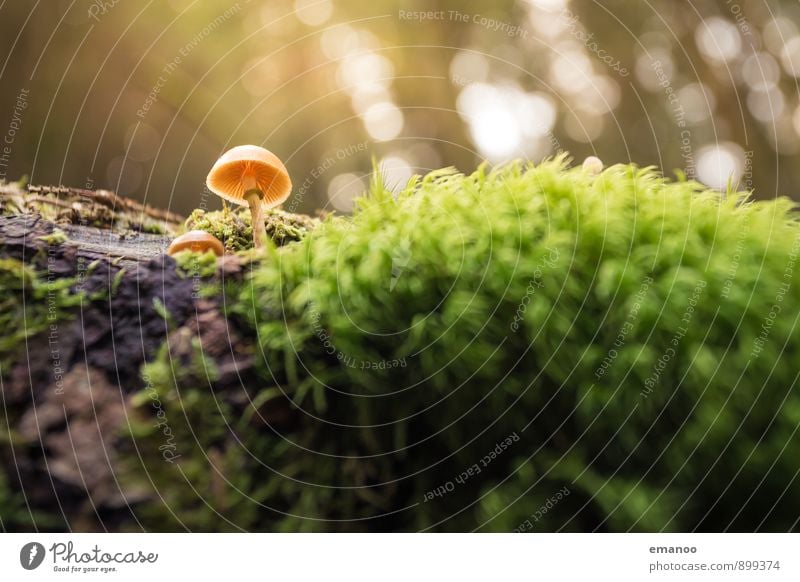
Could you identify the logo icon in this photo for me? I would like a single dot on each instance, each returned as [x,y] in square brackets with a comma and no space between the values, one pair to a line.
[31,555]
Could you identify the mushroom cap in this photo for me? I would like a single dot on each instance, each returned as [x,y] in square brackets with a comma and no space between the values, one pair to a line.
[227,179]
[197,241]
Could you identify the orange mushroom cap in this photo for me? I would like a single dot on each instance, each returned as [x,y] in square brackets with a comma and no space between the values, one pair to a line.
[245,164]
[197,241]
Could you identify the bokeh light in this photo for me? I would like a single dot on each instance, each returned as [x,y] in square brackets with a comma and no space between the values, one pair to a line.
[653,83]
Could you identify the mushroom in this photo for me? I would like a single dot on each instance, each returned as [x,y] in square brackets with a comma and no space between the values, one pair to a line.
[251,175]
[593,165]
[198,241]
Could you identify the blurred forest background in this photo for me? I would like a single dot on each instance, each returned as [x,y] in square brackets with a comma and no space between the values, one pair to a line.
[141,97]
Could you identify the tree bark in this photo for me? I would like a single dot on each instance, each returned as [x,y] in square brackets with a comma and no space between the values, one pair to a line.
[66,390]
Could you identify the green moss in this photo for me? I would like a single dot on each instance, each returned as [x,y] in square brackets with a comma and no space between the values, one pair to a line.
[203,268]
[29,304]
[229,226]
[191,264]
[152,227]
[182,430]
[117,281]
[162,311]
[16,515]
[614,331]
[64,206]
[55,238]
[234,227]
[12,199]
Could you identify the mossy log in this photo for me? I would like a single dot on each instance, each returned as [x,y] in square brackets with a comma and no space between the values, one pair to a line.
[528,348]
[90,297]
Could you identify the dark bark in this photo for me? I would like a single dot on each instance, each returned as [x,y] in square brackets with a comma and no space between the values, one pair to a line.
[67,422]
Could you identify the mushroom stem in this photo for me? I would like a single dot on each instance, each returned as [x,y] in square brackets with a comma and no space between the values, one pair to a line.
[253,198]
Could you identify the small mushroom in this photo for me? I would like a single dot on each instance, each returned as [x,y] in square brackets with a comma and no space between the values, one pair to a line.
[251,175]
[593,165]
[198,241]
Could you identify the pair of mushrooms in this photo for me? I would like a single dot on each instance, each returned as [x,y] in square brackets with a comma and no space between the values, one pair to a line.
[251,175]
[246,175]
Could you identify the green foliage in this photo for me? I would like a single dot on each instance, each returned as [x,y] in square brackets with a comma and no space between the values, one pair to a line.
[191,264]
[616,323]
[29,304]
[13,512]
[205,480]
[234,226]
[16,515]
[55,238]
